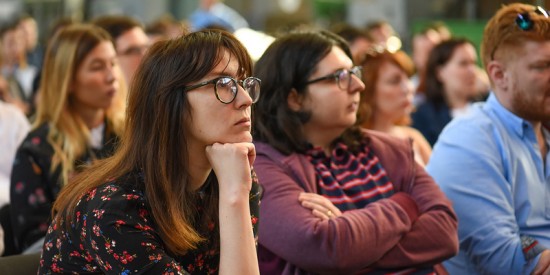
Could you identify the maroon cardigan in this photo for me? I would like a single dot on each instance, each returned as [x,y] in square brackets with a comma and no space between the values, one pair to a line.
[415,227]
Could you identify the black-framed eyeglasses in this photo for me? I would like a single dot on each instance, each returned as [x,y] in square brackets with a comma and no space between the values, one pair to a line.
[523,20]
[226,89]
[342,77]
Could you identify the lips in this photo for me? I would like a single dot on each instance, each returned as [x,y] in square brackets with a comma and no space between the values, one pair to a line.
[243,121]
[353,106]
[111,92]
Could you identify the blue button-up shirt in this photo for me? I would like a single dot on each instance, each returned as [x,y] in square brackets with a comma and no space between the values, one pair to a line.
[490,165]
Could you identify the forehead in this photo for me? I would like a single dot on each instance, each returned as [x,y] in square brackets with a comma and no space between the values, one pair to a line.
[334,60]
[132,37]
[227,65]
[103,49]
[390,67]
[463,49]
[531,51]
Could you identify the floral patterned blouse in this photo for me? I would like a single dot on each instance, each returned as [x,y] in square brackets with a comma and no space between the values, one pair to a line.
[34,186]
[113,232]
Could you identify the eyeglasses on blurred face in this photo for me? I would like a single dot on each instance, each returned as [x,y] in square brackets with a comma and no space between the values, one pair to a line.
[342,77]
[226,88]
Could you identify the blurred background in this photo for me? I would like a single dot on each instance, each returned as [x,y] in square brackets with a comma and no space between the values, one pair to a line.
[407,17]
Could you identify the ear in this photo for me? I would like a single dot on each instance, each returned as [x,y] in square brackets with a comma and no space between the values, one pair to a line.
[294,100]
[497,73]
[439,72]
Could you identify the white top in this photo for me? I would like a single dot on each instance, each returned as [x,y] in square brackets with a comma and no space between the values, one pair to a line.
[96,136]
[457,112]
[14,126]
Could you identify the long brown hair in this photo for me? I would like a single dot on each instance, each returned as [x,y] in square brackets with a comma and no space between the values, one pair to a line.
[154,140]
[68,134]
[372,63]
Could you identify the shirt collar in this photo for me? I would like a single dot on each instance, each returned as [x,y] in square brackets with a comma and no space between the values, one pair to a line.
[509,119]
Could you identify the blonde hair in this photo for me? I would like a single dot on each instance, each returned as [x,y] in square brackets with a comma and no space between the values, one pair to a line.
[68,135]
[502,33]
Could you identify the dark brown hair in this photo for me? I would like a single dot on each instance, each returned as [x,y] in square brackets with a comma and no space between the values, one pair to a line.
[116,25]
[154,140]
[287,64]
[439,56]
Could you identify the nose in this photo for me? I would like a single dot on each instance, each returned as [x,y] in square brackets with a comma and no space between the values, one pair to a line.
[243,99]
[356,85]
[110,74]
[407,86]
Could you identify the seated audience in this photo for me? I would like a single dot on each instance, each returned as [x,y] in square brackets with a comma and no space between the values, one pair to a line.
[493,162]
[178,196]
[79,117]
[338,199]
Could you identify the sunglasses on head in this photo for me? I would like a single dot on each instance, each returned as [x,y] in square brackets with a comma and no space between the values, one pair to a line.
[524,21]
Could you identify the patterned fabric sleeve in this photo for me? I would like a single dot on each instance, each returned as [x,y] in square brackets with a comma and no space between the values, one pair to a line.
[31,195]
[117,232]
[255,197]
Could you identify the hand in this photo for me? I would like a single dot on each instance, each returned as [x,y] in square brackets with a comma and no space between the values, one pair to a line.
[320,206]
[543,266]
[232,163]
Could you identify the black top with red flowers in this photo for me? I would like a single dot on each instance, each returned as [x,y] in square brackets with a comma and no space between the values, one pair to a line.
[113,232]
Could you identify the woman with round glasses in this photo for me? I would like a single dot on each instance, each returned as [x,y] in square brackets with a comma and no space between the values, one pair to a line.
[337,199]
[178,196]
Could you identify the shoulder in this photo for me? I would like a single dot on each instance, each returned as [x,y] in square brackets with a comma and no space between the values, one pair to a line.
[11,114]
[123,194]
[13,123]
[383,142]
[413,133]
[424,108]
[476,126]
[390,150]
[266,151]
[37,142]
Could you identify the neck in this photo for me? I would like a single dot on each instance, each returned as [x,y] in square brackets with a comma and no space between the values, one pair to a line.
[322,137]
[200,167]
[382,124]
[456,101]
[92,117]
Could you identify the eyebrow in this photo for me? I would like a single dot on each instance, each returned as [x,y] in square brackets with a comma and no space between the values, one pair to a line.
[101,60]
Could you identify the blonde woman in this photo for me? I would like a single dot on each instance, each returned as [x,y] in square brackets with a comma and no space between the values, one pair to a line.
[78,120]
